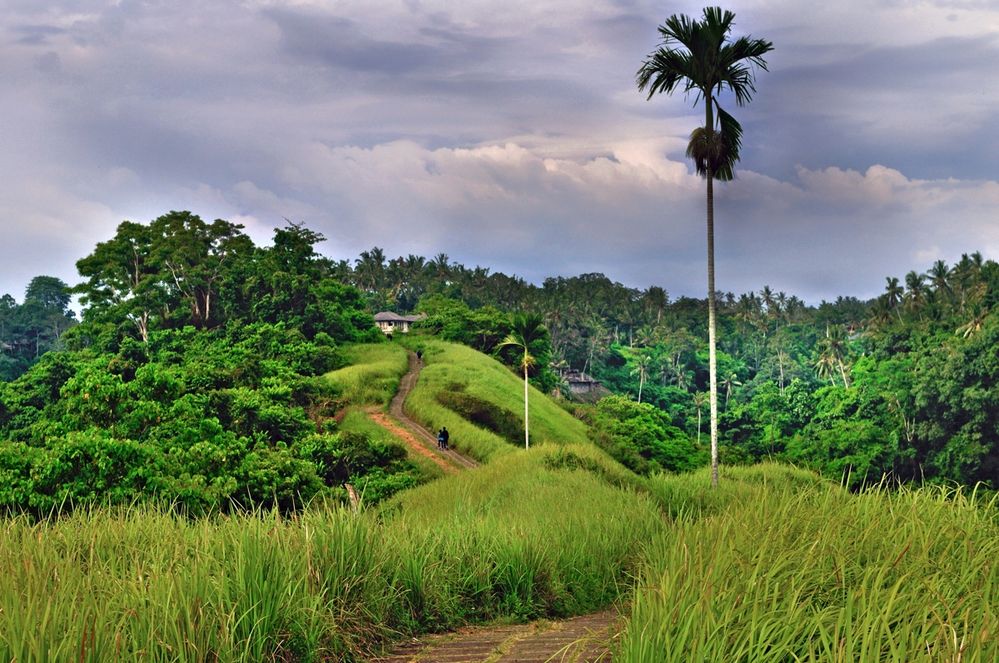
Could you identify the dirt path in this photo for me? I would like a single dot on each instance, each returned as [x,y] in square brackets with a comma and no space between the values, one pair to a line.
[579,640]
[422,435]
[390,424]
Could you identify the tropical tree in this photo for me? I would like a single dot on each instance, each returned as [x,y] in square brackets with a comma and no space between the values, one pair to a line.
[893,294]
[526,331]
[697,56]
[700,400]
[832,354]
[641,369]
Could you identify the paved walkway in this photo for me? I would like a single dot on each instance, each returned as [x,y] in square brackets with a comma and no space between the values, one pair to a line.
[580,640]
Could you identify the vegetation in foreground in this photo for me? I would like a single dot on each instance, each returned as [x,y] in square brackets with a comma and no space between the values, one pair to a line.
[530,535]
[775,565]
[785,572]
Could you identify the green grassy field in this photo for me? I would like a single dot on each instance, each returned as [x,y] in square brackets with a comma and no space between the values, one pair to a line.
[778,567]
[373,374]
[450,367]
[517,539]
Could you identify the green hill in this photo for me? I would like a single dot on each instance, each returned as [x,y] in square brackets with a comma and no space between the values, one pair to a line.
[482,403]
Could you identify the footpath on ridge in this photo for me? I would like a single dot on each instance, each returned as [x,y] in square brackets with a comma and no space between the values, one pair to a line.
[416,437]
[579,640]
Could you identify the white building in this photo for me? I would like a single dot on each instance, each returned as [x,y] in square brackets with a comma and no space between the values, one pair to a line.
[390,323]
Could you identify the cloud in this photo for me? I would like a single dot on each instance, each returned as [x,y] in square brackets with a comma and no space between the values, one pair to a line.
[507,134]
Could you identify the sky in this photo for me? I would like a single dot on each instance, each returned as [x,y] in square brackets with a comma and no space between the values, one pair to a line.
[509,135]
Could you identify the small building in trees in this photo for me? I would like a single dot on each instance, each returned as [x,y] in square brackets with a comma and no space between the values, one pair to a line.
[582,384]
[391,323]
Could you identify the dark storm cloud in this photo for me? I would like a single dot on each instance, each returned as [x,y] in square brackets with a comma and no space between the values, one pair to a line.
[35,35]
[342,43]
[918,107]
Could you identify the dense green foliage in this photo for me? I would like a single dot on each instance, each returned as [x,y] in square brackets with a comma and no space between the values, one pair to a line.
[203,419]
[30,329]
[903,385]
[641,437]
[195,378]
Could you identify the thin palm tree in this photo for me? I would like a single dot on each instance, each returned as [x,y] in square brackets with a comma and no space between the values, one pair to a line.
[697,56]
[526,331]
[832,353]
[641,369]
[700,400]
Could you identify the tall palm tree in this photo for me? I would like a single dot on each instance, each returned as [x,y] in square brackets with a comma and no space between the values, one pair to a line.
[526,330]
[700,400]
[697,56]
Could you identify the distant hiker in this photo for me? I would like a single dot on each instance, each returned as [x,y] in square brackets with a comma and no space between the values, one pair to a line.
[440,439]
[419,355]
[444,436]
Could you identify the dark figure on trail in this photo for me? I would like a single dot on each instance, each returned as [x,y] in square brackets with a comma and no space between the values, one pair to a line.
[419,355]
[442,438]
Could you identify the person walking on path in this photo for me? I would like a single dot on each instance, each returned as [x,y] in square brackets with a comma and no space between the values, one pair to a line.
[442,438]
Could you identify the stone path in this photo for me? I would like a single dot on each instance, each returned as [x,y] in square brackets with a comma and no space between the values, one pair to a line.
[579,640]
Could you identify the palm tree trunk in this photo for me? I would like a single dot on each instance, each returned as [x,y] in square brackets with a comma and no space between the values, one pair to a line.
[527,439]
[842,371]
[712,353]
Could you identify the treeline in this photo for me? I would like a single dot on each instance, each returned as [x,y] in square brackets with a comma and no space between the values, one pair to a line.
[903,384]
[193,379]
[30,329]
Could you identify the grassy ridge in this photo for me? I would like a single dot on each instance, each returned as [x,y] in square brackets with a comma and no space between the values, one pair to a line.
[515,539]
[450,366]
[779,571]
[373,374]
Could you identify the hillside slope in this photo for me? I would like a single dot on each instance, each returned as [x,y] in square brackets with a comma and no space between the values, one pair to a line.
[481,403]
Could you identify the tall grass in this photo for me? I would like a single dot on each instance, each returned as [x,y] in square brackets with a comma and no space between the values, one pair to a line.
[785,572]
[517,539]
[372,377]
[450,366]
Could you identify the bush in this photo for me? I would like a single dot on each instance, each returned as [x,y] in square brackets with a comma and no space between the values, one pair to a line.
[483,413]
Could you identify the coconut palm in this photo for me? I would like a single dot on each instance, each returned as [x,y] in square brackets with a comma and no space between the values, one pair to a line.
[698,56]
[915,291]
[526,331]
[893,294]
[641,369]
[729,382]
[832,353]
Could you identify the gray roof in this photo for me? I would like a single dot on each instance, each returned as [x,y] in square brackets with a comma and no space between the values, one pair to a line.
[389,316]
